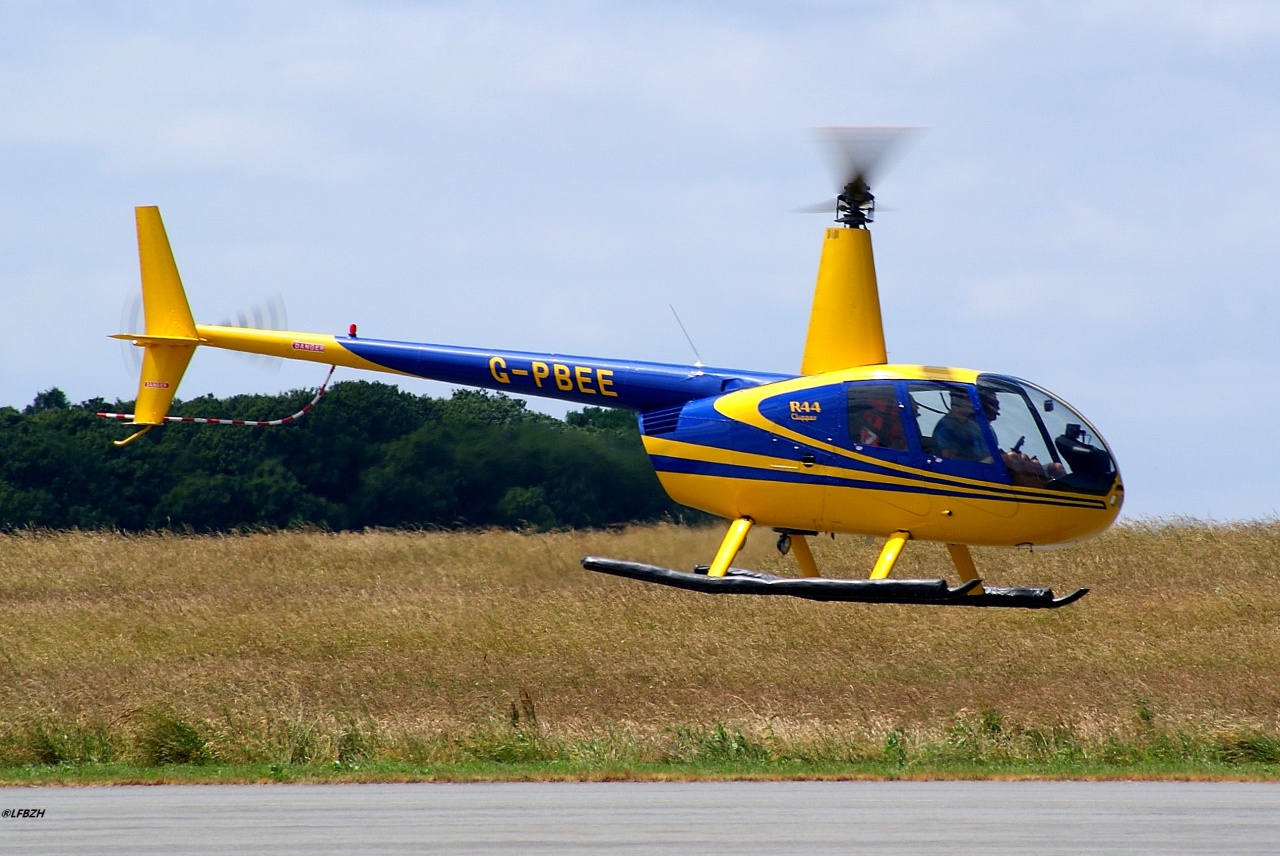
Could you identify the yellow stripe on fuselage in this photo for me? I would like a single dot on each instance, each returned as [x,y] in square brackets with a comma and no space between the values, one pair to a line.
[879,511]
[902,478]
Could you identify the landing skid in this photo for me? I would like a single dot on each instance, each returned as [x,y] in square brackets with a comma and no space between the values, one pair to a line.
[741,581]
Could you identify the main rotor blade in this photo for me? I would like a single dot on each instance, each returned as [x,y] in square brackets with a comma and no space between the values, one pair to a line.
[858,153]
[827,206]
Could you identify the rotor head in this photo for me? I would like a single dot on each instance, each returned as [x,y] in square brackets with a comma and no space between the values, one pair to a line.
[854,155]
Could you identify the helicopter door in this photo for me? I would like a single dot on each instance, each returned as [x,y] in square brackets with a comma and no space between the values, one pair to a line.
[954,437]
[808,419]
[877,426]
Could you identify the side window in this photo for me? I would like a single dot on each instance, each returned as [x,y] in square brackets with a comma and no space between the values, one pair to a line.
[874,417]
[952,435]
[948,426]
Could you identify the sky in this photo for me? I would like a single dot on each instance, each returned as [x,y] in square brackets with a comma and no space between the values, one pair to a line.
[1092,205]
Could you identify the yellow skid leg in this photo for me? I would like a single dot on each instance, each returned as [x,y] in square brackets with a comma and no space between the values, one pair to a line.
[733,541]
[804,556]
[889,555]
[963,560]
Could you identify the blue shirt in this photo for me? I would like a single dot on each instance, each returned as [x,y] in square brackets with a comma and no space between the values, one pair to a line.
[961,438]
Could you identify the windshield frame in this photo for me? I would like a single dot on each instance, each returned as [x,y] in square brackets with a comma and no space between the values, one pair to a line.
[1077,482]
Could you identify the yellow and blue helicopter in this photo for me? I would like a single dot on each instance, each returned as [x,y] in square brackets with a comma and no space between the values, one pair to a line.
[851,444]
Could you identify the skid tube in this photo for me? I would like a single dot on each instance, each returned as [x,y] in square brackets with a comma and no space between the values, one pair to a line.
[742,581]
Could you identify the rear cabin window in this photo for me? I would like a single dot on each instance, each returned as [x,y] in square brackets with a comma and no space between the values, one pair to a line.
[874,417]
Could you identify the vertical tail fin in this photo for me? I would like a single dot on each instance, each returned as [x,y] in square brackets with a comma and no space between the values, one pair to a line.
[170,336]
[164,303]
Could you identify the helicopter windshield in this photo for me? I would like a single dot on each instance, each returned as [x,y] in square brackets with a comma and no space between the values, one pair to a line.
[1042,441]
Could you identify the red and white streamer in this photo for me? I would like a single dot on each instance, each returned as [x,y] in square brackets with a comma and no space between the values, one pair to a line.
[252,423]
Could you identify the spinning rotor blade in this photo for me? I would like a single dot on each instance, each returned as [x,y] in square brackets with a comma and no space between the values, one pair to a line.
[859,153]
[268,314]
[826,207]
[131,322]
[853,154]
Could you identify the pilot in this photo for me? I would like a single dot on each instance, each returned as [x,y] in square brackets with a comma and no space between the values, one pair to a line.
[1023,469]
[957,434]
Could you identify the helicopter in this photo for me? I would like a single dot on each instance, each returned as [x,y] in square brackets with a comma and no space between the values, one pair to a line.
[851,444]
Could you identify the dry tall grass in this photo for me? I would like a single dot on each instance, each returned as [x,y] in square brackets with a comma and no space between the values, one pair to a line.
[296,639]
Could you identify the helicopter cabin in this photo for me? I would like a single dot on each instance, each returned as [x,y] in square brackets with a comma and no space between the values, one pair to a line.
[1000,429]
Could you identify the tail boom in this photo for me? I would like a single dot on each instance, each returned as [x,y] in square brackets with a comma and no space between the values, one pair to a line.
[629,385]
[171,337]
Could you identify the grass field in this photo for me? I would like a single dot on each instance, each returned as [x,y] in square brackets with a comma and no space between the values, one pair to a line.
[394,655]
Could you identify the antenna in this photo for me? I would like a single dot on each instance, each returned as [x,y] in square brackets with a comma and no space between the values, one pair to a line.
[687,337]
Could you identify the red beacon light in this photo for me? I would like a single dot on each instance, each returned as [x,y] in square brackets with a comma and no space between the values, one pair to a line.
[351,332]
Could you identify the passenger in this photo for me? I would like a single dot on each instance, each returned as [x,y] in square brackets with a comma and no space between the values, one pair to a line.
[958,434]
[876,423]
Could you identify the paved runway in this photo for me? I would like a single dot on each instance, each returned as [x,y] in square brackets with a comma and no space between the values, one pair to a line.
[659,818]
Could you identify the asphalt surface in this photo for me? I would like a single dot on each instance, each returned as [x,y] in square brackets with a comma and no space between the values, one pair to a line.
[639,818]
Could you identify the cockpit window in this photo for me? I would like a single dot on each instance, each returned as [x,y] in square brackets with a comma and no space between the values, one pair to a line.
[1042,441]
[1023,443]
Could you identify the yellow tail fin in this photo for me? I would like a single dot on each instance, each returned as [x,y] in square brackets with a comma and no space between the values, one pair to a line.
[170,337]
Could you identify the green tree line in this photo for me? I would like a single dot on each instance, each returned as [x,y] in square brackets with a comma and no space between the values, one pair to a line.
[368,455]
